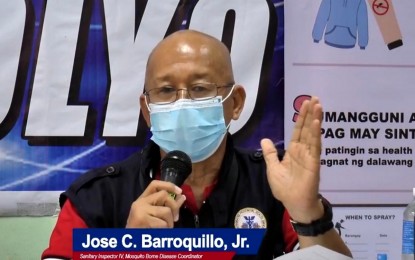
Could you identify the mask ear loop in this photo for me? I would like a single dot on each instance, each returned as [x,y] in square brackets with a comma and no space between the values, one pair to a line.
[148,107]
[223,100]
[229,94]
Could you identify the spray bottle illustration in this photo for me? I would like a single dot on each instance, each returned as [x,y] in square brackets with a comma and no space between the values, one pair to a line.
[388,24]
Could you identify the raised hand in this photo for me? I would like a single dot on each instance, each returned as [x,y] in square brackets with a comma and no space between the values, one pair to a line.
[295,180]
[156,208]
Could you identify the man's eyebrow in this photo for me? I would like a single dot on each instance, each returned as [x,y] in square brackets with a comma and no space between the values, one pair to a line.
[200,75]
[163,77]
[192,77]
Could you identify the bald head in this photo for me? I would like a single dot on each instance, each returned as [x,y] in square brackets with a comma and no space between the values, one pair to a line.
[198,55]
[187,58]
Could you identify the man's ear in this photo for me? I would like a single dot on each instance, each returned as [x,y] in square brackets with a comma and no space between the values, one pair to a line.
[144,110]
[238,97]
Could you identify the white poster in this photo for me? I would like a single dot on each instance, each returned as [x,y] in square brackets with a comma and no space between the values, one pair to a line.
[359,58]
[371,233]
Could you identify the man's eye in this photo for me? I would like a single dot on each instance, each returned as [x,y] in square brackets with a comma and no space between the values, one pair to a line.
[166,90]
[199,88]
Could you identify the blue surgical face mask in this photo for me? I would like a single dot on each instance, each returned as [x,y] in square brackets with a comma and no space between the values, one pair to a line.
[194,127]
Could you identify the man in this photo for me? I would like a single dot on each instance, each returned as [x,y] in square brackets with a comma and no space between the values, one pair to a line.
[189,101]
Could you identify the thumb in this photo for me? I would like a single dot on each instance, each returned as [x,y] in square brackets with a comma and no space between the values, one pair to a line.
[270,153]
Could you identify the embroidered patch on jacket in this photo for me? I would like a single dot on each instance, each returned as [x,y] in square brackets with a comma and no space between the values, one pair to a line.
[250,218]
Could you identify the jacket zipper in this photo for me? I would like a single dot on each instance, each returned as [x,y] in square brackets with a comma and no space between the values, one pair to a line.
[196,218]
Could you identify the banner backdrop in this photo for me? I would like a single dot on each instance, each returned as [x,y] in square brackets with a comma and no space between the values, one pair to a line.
[71,74]
[359,58]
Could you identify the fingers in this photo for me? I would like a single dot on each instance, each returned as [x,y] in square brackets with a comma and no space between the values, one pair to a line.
[163,195]
[314,140]
[160,217]
[308,118]
[156,186]
[156,207]
[305,129]
[300,122]
[168,213]
[175,204]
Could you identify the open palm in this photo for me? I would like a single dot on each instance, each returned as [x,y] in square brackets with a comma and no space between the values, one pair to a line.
[295,180]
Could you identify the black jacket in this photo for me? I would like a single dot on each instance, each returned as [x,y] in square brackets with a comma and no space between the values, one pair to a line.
[103,196]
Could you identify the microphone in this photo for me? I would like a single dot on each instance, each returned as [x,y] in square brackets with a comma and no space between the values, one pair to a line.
[175,167]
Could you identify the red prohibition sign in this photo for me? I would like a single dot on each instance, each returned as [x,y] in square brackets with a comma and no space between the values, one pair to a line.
[380,7]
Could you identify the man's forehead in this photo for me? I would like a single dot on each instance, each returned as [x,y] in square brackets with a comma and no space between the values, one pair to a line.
[188,41]
[185,50]
[187,47]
